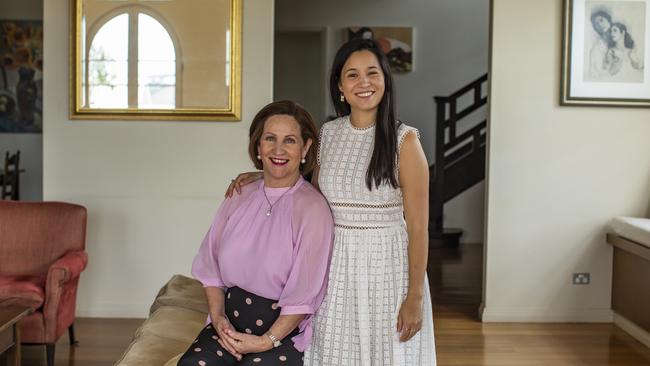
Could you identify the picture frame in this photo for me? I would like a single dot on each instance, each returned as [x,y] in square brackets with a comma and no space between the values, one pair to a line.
[21,76]
[395,42]
[605,46]
[132,60]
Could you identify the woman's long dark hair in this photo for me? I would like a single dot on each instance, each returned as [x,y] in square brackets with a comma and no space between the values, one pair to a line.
[382,163]
[628,42]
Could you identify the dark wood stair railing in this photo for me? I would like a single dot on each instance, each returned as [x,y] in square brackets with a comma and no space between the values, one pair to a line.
[460,159]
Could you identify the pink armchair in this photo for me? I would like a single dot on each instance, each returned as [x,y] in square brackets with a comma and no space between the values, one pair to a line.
[41,256]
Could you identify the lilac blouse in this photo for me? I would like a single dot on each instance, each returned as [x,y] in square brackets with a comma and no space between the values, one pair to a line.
[284,256]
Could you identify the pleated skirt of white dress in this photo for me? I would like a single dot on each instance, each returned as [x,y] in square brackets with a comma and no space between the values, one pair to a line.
[356,323]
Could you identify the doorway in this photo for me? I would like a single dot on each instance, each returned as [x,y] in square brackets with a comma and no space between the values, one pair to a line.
[299,71]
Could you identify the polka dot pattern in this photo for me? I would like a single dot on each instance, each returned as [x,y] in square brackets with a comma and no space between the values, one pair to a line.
[250,314]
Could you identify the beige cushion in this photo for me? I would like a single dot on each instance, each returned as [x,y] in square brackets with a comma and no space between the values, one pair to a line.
[177,316]
[151,350]
[173,323]
[183,292]
[174,361]
[168,332]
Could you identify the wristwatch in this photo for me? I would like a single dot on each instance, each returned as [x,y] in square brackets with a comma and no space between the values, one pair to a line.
[276,342]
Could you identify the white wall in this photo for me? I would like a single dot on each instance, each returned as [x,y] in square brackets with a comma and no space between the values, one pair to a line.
[450,50]
[556,176]
[151,187]
[29,144]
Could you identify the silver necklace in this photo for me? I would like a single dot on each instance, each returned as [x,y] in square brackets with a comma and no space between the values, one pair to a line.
[270,210]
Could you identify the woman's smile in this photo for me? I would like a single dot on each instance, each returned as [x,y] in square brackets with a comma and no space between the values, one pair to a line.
[278,162]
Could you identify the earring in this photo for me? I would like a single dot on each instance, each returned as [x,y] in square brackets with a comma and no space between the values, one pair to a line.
[259,157]
[303,161]
[342,98]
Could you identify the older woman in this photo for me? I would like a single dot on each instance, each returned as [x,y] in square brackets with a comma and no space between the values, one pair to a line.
[264,261]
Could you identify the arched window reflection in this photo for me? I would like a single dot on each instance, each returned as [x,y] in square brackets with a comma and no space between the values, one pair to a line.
[108,65]
[132,62]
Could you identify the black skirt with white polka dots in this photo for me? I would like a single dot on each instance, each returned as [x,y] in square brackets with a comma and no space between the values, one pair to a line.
[248,313]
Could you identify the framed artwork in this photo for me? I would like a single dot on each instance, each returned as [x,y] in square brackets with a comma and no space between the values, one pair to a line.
[605,46]
[21,76]
[395,42]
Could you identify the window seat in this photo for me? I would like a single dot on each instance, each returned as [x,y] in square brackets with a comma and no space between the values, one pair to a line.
[630,238]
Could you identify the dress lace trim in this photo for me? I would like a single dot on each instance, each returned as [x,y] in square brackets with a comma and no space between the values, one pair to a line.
[402,136]
[361,128]
[365,205]
[349,227]
[320,144]
[402,133]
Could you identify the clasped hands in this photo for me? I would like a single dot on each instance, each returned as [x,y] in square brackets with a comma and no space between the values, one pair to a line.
[236,343]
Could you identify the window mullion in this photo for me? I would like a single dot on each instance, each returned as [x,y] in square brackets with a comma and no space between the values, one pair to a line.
[133,59]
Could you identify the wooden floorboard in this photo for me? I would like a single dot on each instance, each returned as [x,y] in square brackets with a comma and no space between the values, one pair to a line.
[101,343]
[455,279]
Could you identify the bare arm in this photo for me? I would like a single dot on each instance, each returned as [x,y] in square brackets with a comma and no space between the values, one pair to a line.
[635,59]
[285,324]
[216,308]
[414,181]
[216,298]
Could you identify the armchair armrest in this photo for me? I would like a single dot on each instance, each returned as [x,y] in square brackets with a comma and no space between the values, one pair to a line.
[69,266]
[61,292]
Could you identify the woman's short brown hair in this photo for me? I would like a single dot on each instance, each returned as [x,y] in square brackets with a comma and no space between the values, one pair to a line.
[307,131]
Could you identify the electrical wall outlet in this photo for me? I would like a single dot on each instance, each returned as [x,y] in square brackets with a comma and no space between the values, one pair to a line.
[583,278]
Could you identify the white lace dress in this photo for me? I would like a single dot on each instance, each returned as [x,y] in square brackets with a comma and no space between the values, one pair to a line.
[368,280]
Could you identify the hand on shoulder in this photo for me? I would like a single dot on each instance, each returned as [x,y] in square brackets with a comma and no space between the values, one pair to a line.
[242,180]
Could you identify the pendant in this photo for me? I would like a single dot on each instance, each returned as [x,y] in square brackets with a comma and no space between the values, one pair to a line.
[268,212]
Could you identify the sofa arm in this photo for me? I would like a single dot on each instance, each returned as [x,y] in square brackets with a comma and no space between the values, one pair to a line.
[69,266]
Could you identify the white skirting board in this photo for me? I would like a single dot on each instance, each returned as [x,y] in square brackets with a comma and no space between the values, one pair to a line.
[632,329]
[545,315]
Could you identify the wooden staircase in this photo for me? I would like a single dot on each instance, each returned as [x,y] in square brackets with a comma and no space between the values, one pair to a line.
[460,158]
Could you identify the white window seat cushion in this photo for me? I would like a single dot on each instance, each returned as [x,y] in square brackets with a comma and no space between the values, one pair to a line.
[634,228]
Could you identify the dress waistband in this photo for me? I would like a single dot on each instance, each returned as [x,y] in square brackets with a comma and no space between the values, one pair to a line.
[362,227]
[365,205]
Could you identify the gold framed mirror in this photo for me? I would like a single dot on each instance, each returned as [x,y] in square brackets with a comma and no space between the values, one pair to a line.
[156,59]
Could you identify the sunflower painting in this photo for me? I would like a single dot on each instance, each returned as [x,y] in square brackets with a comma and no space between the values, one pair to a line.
[21,76]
